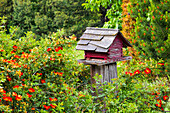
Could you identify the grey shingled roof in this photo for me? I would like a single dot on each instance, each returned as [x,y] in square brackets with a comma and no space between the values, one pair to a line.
[99,39]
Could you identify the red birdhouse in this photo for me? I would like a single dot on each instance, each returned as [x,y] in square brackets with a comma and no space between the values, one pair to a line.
[101,43]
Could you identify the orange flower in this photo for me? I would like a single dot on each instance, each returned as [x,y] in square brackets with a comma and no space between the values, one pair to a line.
[53,99]
[147,71]
[137,72]
[46,107]
[18,98]
[160,101]
[32,108]
[58,54]
[161,64]
[14,94]
[16,86]
[43,81]
[81,95]
[7,98]
[8,78]
[159,105]
[16,56]
[153,17]
[31,90]
[15,47]
[49,49]
[165,97]
[53,106]
[29,95]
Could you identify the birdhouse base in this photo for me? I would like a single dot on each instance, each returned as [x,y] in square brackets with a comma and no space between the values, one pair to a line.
[100,62]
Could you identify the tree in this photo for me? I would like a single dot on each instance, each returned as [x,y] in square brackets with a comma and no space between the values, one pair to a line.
[46,16]
[151,33]
[113,11]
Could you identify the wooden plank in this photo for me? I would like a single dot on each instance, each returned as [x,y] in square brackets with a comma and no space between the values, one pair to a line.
[101,73]
[115,70]
[105,42]
[102,32]
[91,37]
[83,42]
[103,50]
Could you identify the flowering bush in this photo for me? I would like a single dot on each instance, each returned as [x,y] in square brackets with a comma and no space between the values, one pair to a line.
[43,76]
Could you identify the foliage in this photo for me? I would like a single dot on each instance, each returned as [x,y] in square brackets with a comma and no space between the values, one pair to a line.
[42,76]
[113,12]
[33,71]
[127,26]
[6,8]
[151,32]
[46,16]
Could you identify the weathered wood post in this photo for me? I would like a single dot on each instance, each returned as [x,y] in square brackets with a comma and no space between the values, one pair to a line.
[103,48]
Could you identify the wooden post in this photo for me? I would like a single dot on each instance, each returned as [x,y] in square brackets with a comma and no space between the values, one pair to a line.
[108,72]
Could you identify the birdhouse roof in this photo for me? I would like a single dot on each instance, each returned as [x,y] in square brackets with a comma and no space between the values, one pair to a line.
[99,39]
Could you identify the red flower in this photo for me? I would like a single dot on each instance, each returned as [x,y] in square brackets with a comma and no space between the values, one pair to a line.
[30,50]
[159,105]
[165,97]
[31,90]
[16,56]
[43,81]
[162,109]
[4,95]
[81,95]
[15,47]
[29,95]
[16,86]
[8,78]
[14,94]
[58,54]
[18,98]
[153,17]
[147,71]
[32,108]
[160,101]
[12,52]
[57,49]
[7,98]
[46,107]
[53,106]
[161,64]
[49,49]
[53,99]
[137,72]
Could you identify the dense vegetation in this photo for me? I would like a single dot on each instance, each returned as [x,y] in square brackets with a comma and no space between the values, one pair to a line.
[46,16]
[44,75]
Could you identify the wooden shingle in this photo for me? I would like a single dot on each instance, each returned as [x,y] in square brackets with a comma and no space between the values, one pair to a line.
[83,42]
[101,32]
[89,47]
[99,49]
[105,42]
[91,37]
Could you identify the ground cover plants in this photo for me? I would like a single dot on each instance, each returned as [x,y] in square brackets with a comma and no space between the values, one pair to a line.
[44,76]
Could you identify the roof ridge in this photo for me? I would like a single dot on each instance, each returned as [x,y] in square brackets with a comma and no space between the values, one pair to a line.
[94,28]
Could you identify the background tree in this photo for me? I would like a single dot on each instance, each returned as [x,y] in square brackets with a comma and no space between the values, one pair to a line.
[45,16]
[151,33]
[111,14]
